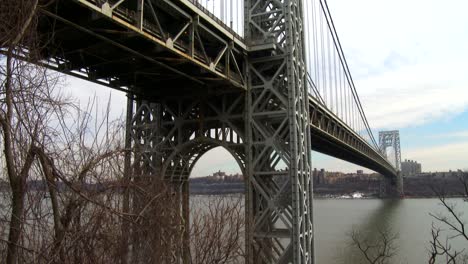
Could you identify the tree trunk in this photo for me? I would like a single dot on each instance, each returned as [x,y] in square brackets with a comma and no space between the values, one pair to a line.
[17,192]
[17,181]
[48,169]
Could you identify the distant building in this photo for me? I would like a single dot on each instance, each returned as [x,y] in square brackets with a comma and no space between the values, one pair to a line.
[220,175]
[444,174]
[319,176]
[235,177]
[410,168]
[360,172]
[334,177]
[315,175]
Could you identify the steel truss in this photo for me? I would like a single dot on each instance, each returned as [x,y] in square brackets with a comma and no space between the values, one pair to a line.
[171,35]
[392,139]
[168,137]
[279,201]
[251,99]
[190,37]
[334,137]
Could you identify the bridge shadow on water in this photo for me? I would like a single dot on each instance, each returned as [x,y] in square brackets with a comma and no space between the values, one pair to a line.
[380,220]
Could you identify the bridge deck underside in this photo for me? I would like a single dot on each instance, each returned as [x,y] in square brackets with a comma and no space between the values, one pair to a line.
[80,40]
[83,42]
[331,136]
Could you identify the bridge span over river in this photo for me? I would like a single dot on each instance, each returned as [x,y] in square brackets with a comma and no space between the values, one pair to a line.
[265,79]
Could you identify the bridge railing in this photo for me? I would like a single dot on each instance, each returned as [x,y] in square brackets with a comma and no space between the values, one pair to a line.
[227,13]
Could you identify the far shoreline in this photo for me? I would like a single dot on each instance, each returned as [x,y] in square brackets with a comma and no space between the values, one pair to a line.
[322,197]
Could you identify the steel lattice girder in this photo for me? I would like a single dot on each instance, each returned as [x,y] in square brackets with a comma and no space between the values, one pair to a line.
[279,202]
[151,40]
[170,135]
[186,128]
[391,139]
[128,60]
[333,137]
[193,126]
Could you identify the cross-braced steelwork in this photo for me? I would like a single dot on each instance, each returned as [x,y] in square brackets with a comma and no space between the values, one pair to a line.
[391,139]
[269,95]
[279,202]
[167,138]
[157,41]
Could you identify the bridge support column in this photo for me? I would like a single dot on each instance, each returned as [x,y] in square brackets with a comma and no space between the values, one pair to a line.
[150,214]
[167,138]
[279,183]
[392,187]
[399,184]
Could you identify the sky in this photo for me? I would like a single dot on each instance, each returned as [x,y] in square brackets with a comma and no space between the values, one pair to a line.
[408,61]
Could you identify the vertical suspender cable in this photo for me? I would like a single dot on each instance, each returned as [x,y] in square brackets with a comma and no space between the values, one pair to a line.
[346,68]
[329,62]
[341,91]
[231,22]
[316,60]
[322,52]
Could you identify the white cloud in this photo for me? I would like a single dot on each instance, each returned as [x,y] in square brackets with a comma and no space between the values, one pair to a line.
[408,58]
[451,135]
[414,95]
[374,32]
[442,157]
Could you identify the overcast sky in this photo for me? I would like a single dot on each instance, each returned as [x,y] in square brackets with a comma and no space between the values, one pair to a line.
[408,60]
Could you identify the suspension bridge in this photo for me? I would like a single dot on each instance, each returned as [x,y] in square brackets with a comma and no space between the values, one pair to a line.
[265,79]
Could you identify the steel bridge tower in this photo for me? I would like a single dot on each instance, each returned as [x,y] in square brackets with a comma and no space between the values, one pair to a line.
[279,202]
[392,139]
[193,84]
[265,128]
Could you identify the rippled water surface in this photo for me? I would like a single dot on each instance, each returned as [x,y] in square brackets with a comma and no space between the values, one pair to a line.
[409,218]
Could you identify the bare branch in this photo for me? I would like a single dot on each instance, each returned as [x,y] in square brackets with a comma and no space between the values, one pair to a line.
[375,251]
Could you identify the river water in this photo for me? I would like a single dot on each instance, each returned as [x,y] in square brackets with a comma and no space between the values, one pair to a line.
[335,219]
[408,218]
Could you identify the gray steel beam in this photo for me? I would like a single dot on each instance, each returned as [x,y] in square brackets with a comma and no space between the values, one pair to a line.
[148,21]
[278,204]
[162,34]
[336,138]
[168,137]
[266,124]
[392,139]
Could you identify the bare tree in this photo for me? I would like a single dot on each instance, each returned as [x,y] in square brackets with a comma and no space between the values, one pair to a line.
[77,216]
[378,250]
[217,230]
[442,249]
[449,227]
[83,156]
[20,107]
[80,166]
